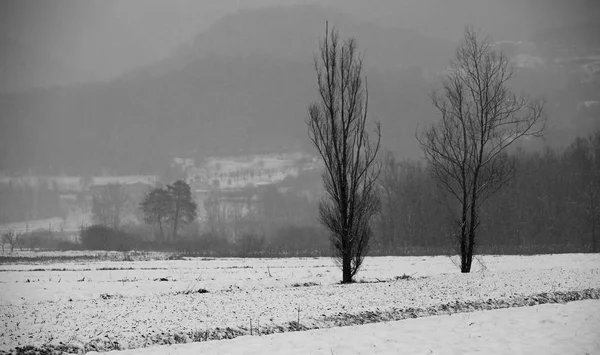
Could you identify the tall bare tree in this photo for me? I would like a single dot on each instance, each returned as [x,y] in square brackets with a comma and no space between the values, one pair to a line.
[337,126]
[480,118]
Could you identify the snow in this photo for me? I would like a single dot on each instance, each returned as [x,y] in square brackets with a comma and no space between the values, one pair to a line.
[88,280]
[133,307]
[243,171]
[571,328]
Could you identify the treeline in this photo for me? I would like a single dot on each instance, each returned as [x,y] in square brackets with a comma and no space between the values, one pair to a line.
[287,241]
[25,202]
[255,221]
[551,205]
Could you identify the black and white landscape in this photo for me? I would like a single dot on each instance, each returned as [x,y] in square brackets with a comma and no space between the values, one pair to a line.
[299,176]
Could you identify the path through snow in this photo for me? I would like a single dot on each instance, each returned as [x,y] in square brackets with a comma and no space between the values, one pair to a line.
[572,328]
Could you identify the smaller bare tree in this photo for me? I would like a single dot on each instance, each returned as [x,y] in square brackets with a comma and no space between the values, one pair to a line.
[12,238]
[108,205]
[216,216]
[337,126]
[480,118]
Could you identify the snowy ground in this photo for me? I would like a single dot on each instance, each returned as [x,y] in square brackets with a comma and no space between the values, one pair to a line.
[22,283]
[127,304]
[566,329]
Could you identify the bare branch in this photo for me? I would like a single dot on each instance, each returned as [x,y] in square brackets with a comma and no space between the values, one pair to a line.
[480,117]
[337,126]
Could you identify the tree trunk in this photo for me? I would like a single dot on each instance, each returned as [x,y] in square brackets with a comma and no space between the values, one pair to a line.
[176,219]
[347,268]
[594,247]
[174,230]
[162,234]
[466,268]
[593,208]
[463,254]
[463,235]
[468,262]
[472,220]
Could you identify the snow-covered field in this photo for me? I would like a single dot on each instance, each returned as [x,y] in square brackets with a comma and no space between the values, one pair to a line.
[547,329]
[22,283]
[119,305]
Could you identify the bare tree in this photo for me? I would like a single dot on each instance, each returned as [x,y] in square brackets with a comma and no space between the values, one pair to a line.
[11,237]
[215,213]
[108,205]
[337,126]
[480,118]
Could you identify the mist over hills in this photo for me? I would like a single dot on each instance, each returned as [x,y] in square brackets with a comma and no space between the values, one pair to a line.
[98,40]
[214,99]
[242,87]
[512,20]
[292,33]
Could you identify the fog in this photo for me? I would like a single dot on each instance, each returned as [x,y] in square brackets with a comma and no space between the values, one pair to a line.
[97,40]
[93,88]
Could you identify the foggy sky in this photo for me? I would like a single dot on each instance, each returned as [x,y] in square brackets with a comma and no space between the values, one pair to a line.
[99,39]
[103,38]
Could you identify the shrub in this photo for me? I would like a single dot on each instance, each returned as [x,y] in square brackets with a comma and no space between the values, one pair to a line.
[48,240]
[99,237]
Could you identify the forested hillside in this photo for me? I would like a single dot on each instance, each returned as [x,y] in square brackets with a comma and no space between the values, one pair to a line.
[243,86]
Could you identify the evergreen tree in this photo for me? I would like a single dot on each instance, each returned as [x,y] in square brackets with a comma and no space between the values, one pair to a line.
[183,207]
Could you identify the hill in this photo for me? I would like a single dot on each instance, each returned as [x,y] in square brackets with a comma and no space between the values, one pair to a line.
[243,87]
[216,98]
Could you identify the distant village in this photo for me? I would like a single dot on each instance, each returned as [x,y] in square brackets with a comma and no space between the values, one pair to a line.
[231,180]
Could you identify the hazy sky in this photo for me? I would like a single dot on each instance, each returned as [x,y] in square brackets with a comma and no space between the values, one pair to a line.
[102,38]
[61,42]
[110,35]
